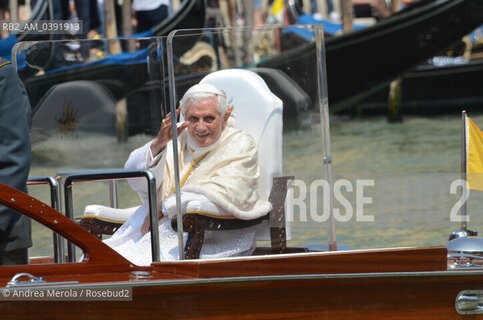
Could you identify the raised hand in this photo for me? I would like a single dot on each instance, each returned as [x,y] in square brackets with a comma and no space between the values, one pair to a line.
[164,134]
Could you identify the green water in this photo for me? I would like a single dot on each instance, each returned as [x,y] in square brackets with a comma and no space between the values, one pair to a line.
[410,164]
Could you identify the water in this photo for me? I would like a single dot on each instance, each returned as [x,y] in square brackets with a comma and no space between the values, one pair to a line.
[404,170]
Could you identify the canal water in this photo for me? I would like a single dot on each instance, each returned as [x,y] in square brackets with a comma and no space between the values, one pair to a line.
[394,180]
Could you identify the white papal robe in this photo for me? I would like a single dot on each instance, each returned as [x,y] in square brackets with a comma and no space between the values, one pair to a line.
[221,179]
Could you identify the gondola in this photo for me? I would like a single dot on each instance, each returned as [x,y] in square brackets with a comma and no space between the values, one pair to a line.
[362,62]
[434,89]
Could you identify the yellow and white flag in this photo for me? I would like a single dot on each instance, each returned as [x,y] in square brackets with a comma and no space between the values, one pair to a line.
[276,11]
[474,155]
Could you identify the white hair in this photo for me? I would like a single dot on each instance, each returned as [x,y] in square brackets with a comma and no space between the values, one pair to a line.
[203,91]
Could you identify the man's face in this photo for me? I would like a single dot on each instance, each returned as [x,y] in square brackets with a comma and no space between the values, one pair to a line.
[205,122]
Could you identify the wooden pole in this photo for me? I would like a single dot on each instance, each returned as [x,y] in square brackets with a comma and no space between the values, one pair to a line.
[347,10]
[234,42]
[126,18]
[322,8]
[395,101]
[175,5]
[395,5]
[115,48]
[111,28]
[122,120]
[13,8]
[127,25]
[248,9]
[468,47]
[307,6]
[249,21]
[121,106]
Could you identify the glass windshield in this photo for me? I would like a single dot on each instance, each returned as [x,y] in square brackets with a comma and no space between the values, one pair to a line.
[273,80]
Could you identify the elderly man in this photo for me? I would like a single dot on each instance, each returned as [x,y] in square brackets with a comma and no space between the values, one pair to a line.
[218,171]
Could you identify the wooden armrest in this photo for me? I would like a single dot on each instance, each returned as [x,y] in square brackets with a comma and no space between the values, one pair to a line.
[213,223]
[278,232]
[98,227]
[196,224]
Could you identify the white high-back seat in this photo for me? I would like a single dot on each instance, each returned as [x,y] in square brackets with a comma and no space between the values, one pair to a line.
[257,111]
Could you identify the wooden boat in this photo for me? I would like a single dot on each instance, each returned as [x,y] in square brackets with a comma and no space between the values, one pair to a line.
[299,282]
[375,284]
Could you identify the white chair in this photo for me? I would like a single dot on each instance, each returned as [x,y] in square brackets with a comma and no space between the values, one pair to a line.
[259,112]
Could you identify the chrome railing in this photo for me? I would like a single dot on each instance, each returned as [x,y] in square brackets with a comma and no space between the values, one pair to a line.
[113,174]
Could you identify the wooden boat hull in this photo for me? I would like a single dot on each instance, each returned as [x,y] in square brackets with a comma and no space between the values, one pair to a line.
[365,284]
[345,296]
[434,89]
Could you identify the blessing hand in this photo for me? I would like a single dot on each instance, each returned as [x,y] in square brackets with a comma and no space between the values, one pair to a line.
[165,134]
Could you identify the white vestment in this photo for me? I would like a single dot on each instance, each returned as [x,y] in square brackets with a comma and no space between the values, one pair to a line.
[219,180]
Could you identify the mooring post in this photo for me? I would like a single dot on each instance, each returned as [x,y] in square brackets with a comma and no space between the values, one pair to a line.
[347,10]
[121,120]
[394,103]
[111,27]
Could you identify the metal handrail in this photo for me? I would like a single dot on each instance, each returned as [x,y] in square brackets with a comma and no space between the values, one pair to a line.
[54,203]
[113,197]
[110,174]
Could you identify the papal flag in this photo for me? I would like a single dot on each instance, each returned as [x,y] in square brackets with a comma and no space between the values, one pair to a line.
[276,11]
[474,155]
